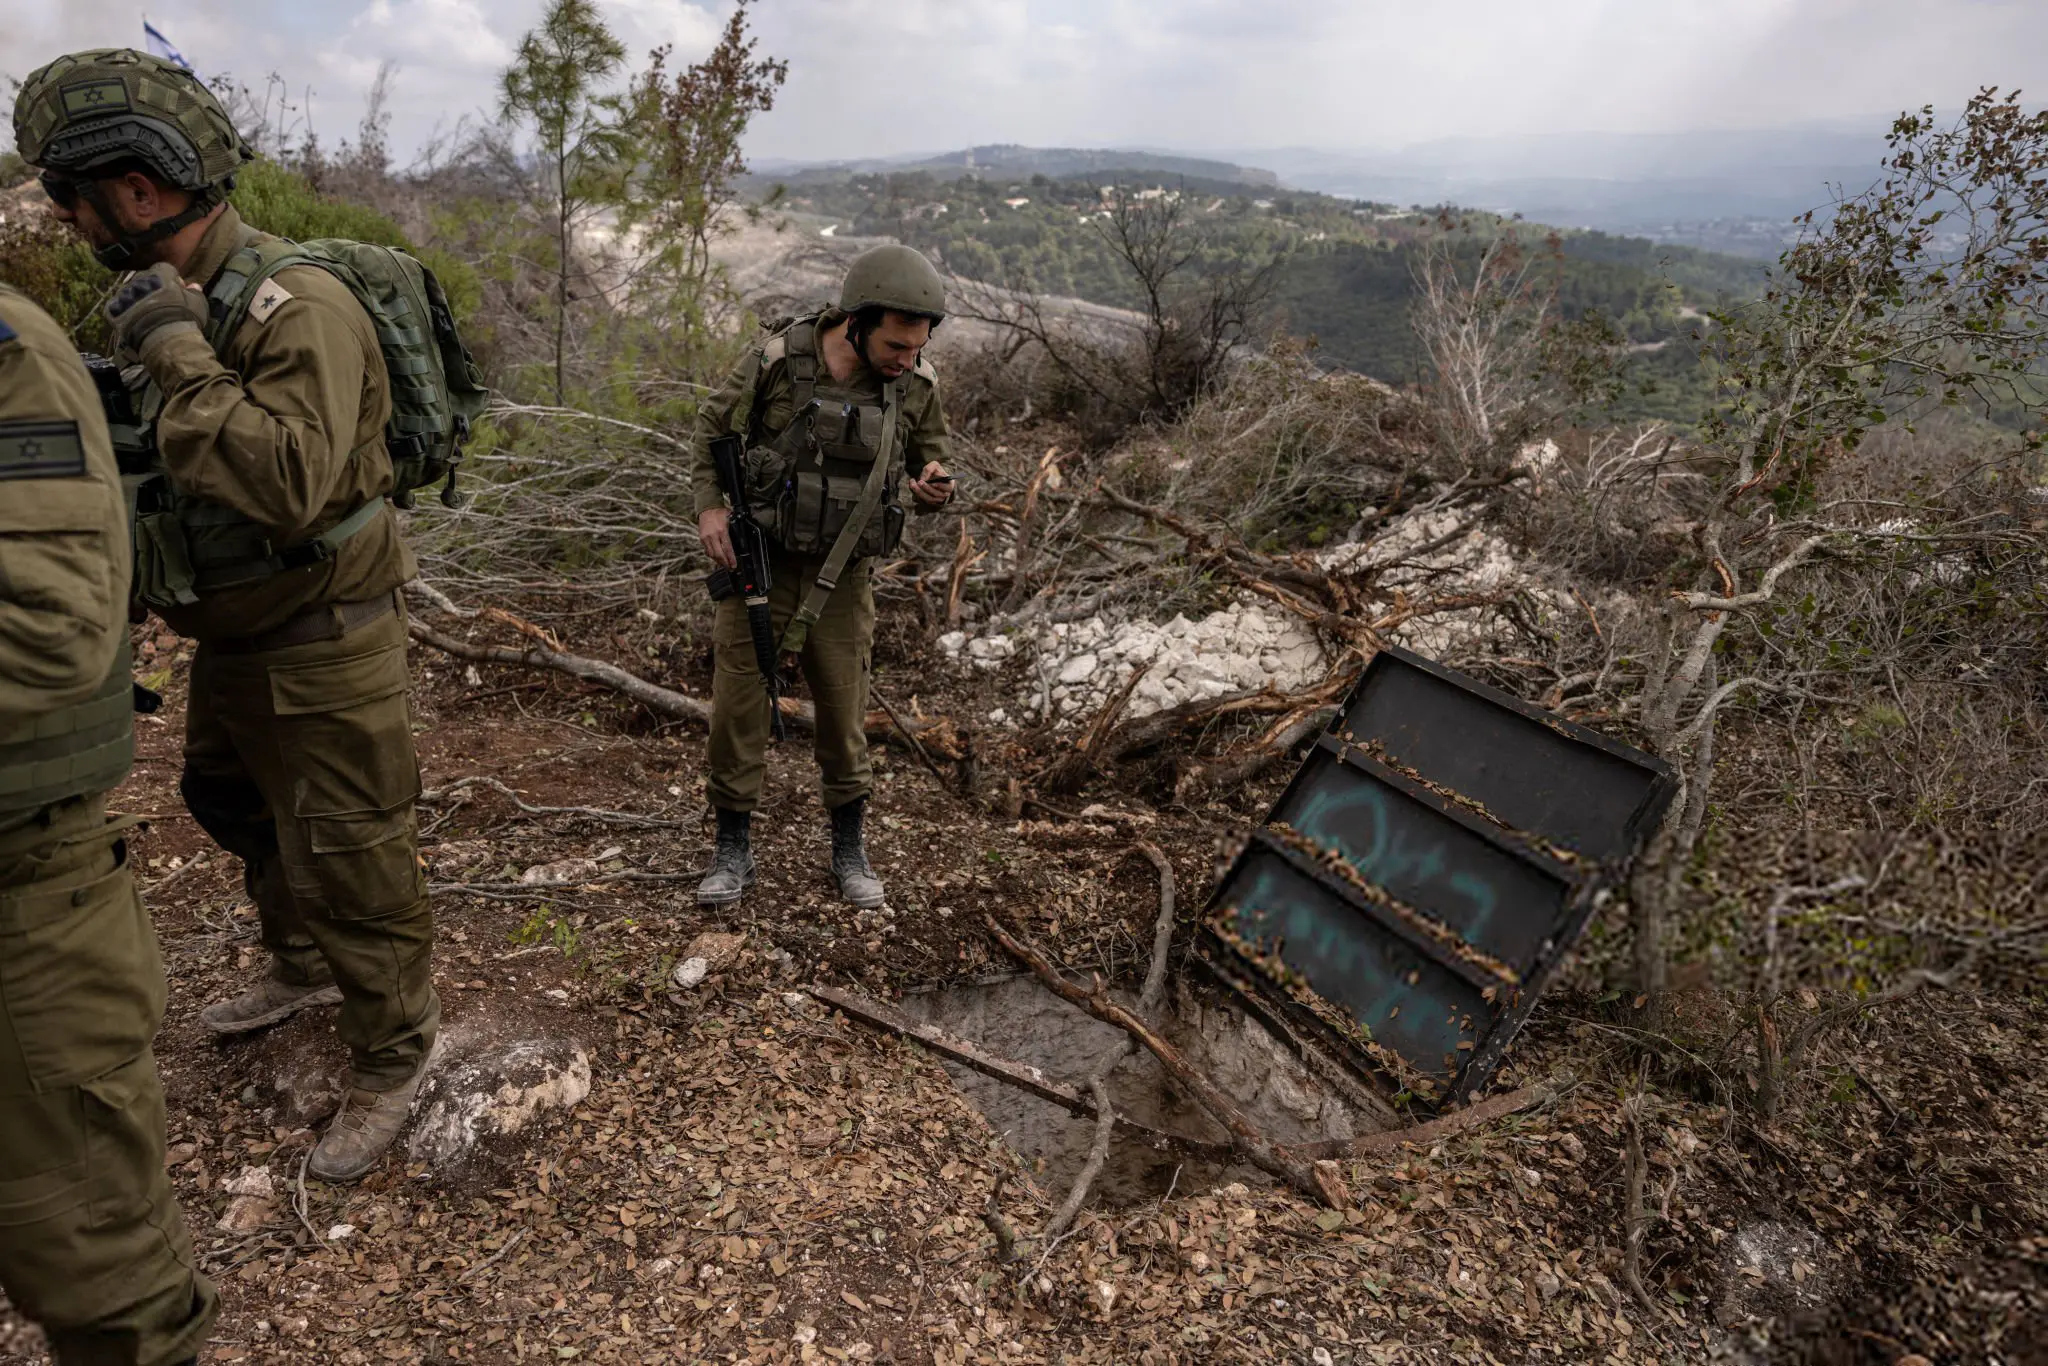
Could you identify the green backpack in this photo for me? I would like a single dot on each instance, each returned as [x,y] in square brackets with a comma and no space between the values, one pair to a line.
[437,391]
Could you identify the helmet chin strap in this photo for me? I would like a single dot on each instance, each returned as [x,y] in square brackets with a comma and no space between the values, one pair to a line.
[123,252]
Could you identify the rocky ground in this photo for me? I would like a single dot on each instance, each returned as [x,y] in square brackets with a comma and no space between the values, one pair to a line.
[612,1168]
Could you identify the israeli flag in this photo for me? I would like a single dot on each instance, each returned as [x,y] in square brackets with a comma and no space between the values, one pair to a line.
[160,46]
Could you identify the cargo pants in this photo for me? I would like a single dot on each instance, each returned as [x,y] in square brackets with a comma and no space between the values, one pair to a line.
[92,1244]
[835,661]
[300,762]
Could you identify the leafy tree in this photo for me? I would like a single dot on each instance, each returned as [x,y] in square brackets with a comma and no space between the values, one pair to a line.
[556,83]
[690,125]
[1927,292]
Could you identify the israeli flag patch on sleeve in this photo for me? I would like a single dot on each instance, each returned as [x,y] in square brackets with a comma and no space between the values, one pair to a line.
[40,448]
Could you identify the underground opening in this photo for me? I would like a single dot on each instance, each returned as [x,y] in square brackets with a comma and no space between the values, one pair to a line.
[1017,1018]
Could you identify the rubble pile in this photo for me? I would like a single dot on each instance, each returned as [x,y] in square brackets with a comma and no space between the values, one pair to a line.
[1073,668]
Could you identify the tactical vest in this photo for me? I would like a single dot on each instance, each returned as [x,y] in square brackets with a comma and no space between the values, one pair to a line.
[805,480]
[83,748]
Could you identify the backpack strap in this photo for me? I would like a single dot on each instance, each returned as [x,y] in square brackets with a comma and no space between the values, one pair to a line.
[228,302]
[813,606]
[801,360]
[233,291]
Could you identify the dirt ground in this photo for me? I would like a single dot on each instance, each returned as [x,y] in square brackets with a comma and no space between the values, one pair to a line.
[752,1178]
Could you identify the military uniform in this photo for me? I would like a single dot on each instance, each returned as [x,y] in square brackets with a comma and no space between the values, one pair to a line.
[823,465]
[298,743]
[836,655]
[267,537]
[92,1244]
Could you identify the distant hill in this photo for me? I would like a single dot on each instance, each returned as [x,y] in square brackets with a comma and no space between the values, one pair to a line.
[1014,162]
[1347,272]
[1733,191]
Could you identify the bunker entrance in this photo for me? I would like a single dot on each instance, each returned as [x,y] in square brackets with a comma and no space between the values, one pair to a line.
[1019,1019]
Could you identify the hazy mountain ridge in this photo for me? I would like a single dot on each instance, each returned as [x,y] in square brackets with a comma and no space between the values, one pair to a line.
[1736,191]
[1346,269]
[1014,160]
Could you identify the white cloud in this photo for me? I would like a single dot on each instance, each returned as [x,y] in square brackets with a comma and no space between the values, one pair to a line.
[449,35]
[874,77]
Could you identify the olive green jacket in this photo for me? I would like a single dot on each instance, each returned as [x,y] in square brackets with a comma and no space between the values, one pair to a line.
[63,522]
[924,420]
[285,426]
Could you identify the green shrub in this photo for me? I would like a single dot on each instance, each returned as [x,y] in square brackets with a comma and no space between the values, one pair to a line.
[279,200]
[46,261]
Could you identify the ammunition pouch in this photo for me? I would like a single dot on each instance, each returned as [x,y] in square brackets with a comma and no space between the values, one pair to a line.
[806,480]
[186,548]
[812,509]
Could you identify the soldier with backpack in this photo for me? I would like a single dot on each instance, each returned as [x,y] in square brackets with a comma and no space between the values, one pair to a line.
[291,393]
[837,413]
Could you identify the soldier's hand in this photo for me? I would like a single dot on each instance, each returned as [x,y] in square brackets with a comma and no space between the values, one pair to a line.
[933,488]
[151,306]
[715,530]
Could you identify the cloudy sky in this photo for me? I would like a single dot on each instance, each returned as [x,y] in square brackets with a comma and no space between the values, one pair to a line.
[882,77]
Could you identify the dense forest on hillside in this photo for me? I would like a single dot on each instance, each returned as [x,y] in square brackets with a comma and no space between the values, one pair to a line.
[1346,267]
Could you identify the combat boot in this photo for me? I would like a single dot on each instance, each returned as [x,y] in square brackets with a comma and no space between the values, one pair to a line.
[265,1004]
[368,1121]
[732,861]
[858,885]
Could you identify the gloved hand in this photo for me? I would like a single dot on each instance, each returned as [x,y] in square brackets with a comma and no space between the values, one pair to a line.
[152,306]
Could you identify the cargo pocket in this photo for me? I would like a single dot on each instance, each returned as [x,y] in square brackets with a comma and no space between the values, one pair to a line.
[80,978]
[345,735]
[124,1114]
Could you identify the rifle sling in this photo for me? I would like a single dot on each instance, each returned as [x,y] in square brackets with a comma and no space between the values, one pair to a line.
[820,592]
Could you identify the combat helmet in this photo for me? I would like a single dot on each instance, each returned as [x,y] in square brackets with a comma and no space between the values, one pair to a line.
[87,112]
[896,277]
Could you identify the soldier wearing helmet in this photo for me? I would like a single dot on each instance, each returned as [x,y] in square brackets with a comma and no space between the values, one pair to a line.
[839,413]
[95,1249]
[277,550]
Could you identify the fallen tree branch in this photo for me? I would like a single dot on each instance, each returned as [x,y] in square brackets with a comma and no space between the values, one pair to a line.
[992,1216]
[657,699]
[654,697]
[1026,1077]
[625,818]
[1098,1153]
[1197,778]
[1021,1075]
[1246,1140]
[1637,1219]
[1154,989]
[1910,984]
[301,1205]
[1477,1115]
[905,731]
[531,888]
[490,1261]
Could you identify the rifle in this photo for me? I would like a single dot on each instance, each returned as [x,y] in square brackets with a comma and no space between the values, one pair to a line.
[135,457]
[749,580]
[134,442]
